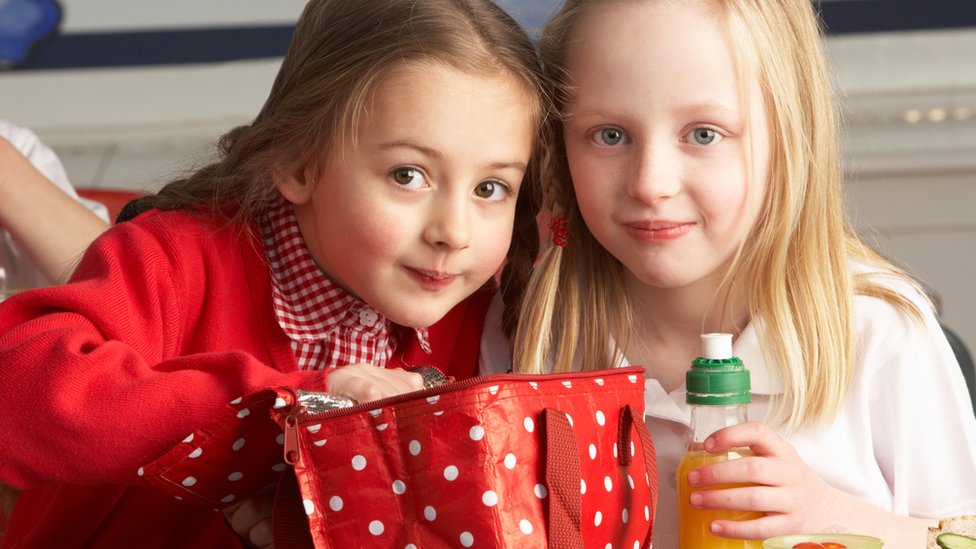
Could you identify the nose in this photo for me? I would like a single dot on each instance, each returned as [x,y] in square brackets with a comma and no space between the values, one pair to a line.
[654,176]
[449,223]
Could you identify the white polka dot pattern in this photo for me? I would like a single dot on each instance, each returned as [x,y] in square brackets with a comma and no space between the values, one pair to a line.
[489,498]
[456,470]
[336,503]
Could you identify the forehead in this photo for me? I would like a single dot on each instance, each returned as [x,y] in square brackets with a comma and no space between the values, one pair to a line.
[661,50]
[408,89]
[432,73]
[445,110]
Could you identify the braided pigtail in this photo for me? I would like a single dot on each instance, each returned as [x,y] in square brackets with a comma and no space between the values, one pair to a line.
[521,257]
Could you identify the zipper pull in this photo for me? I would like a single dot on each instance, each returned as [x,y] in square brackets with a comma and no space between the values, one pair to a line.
[292,453]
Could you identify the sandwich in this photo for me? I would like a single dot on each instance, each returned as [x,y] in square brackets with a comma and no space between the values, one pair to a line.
[953,533]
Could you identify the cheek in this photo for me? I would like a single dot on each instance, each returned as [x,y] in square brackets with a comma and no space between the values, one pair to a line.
[593,201]
[375,236]
[493,241]
[372,239]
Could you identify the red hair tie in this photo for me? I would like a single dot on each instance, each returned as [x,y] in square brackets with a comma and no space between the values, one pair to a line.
[559,226]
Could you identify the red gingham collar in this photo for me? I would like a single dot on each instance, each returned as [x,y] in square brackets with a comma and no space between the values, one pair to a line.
[308,305]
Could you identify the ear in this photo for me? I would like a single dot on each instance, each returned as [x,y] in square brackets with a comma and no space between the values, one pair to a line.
[295,187]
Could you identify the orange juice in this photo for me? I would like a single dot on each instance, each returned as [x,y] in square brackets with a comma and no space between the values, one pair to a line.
[693,523]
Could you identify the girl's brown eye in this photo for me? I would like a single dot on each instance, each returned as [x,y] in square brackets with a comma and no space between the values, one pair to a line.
[486,189]
[406,176]
[492,190]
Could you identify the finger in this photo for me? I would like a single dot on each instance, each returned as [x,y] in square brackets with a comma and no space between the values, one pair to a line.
[393,382]
[753,434]
[262,535]
[762,499]
[251,512]
[229,511]
[747,470]
[366,383]
[412,381]
[365,389]
[762,528]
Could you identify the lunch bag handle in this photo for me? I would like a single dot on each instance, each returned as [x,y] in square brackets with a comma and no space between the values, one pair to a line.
[563,478]
[627,424]
[290,525]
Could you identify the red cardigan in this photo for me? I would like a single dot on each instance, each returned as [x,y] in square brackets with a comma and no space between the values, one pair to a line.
[167,319]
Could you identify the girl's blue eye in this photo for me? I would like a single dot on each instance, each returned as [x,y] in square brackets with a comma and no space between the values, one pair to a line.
[611,136]
[408,177]
[704,136]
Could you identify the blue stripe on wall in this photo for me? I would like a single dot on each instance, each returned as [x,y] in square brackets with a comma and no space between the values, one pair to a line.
[159,47]
[860,16]
[216,45]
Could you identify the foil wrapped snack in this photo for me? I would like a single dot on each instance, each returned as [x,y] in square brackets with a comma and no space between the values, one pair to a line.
[315,402]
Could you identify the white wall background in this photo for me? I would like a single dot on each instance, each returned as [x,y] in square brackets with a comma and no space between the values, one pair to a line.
[910,142]
[134,15]
[911,155]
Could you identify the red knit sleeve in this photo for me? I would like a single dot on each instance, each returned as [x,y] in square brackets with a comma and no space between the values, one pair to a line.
[156,333]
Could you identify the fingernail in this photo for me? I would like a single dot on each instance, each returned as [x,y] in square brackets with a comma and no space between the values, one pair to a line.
[709,444]
[716,529]
[696,499]
[694,477]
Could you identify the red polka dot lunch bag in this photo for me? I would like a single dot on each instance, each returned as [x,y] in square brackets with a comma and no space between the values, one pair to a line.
[505,461]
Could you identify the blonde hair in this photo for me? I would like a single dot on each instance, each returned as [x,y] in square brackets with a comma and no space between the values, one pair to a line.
[794,266]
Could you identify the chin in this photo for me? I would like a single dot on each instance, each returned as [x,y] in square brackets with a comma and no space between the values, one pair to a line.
[418,318]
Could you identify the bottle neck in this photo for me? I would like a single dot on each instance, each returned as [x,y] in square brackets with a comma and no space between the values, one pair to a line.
[706,419]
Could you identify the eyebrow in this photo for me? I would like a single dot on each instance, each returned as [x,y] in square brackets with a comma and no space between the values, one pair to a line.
[438,155]
[713,106]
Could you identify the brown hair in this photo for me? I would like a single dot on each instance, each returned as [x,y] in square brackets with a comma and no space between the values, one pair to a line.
[339,52]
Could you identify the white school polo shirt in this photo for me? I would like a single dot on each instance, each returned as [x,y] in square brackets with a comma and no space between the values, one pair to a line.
[46,162]
[904,440]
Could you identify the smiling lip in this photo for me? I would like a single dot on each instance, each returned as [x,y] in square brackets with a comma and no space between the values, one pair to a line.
[657,231]
[431,280]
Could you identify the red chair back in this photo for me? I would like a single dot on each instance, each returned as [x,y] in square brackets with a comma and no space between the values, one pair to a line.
[114,199]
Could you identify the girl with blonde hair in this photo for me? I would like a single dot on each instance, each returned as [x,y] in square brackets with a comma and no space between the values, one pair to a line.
[698,189]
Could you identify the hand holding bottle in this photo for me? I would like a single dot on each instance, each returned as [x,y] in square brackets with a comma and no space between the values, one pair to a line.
[790,495]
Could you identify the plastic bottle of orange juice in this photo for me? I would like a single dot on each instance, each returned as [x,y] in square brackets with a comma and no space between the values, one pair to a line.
[718,392]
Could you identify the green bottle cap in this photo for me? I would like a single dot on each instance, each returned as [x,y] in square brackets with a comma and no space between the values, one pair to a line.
[718,378]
